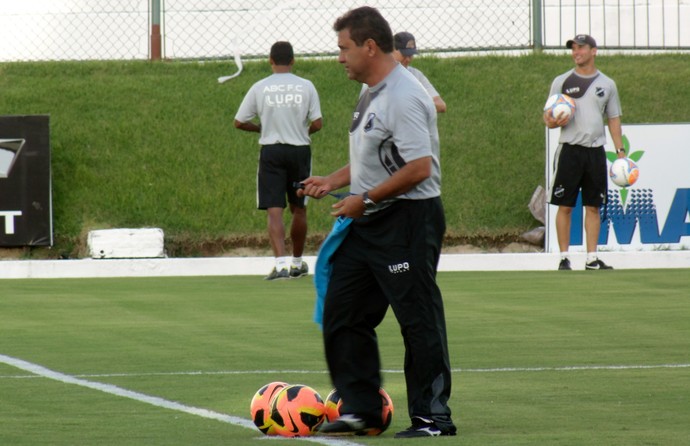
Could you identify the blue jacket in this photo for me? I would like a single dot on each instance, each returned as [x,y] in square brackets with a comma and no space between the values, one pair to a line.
[324,267]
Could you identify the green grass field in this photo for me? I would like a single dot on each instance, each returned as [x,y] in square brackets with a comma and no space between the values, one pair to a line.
[141,144]
[539,358]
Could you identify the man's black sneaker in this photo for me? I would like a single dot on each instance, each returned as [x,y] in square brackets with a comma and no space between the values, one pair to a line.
[564,265]
[300,271]
[421,427]
[597,264]
[275,274]
[347,425]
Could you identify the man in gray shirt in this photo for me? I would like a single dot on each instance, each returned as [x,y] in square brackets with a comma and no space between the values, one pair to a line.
[405,50]
[580,164]
[390,255]
[289,112]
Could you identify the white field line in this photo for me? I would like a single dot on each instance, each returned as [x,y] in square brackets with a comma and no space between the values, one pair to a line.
[323,372]
[43,372]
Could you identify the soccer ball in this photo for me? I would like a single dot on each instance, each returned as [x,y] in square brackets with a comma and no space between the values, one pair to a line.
[624,172]
[260,407]
[560,105]
[334,403]
[297,411]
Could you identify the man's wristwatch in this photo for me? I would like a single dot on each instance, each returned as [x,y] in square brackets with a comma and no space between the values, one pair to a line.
[621,150]
[368,202]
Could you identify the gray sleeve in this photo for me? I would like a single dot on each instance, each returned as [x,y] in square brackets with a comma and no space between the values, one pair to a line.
[315,104]
[613,106]
[410,128]
[248,109]
[557,84]
[426,83]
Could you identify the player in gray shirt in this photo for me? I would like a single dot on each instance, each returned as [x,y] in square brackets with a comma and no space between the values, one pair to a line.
[289,111]
[390,255]
[580,164]
[388,113]
[405,50]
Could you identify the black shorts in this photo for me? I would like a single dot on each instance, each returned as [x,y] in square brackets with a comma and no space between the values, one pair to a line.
[579,168]
[281,165]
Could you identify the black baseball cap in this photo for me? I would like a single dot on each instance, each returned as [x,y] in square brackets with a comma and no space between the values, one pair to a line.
[404,42]
[581,39]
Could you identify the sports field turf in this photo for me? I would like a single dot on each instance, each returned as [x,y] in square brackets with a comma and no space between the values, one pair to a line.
[539,358]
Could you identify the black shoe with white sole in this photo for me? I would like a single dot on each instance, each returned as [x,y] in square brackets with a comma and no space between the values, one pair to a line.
[597,264]
[421,427]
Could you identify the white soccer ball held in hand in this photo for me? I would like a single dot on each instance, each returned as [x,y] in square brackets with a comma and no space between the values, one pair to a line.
[624,172]
[560,106]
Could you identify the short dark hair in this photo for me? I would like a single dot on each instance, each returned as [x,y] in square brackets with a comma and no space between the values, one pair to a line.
[366,23]
[281,53]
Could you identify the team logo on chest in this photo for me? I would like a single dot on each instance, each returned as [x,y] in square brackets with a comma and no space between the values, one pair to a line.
[370,122]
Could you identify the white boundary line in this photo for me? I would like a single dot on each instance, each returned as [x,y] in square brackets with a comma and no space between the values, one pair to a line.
[153,400]
[573,368]
[251,266]
[38,371]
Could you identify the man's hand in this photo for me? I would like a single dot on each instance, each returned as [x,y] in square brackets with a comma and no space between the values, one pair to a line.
[351,206]
[553,122]
[315,187]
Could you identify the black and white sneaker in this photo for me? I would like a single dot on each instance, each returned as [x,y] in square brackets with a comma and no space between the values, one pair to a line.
[597,264]
[277,275]
[564,265]
[300,271]
[421,427]
[347,424]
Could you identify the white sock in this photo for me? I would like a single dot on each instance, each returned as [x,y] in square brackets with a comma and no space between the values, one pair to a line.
[564,255]
[297,262]
[591,257]
[282,263]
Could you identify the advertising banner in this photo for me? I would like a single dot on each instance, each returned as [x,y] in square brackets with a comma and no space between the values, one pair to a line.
[653,213]
[25,181]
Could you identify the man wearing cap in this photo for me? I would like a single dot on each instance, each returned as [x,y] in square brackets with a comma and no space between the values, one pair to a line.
[405,49]
[580,164]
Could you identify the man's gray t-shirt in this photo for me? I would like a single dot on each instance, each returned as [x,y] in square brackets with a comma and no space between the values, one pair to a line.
[286,104]
[393,124]
[595,96]
[424,81]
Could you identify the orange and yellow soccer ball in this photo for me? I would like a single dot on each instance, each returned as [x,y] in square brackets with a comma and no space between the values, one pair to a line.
[260,407]
[297,411]
[334,403]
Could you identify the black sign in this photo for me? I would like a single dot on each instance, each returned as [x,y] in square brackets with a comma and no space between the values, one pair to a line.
[26,210]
